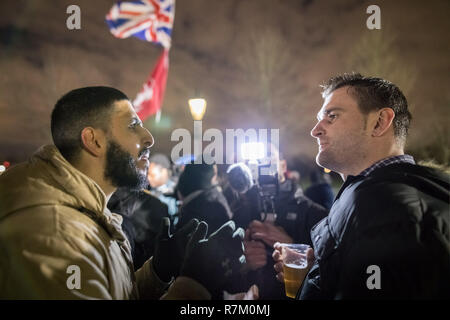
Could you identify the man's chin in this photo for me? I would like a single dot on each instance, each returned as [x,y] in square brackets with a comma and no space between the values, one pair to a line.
[142,170]
[322,160]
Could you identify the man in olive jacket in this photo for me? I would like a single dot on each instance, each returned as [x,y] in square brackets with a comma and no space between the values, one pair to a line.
[387,235]
[58,240]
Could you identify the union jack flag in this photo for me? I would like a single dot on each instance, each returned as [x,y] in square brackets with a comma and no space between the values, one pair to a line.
[149,100]
[148,20]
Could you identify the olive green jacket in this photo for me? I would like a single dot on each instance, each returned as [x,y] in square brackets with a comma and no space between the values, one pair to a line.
[59,241]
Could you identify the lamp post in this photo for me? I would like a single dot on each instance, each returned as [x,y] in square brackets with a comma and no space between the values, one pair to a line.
[197,107]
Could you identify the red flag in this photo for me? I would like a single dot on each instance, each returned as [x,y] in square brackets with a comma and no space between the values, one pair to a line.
[149,100]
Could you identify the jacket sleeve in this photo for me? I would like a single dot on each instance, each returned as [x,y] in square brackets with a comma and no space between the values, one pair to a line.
[45,267]
[309,214]
[148,283]
[183,288]
[216,214]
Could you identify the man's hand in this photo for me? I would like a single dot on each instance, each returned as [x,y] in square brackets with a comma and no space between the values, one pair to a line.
[170,249]
[255,252]
[214,260]
[268,232]
[278,266]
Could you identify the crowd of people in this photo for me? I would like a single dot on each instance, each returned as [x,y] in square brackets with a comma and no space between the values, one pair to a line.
[197,191]
[139,226]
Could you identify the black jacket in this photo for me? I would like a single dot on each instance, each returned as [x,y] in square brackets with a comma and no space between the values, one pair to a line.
[396,219]
[207,205]
[142,216]
[297,214]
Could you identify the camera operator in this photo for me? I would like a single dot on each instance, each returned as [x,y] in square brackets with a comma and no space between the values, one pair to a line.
[289,217]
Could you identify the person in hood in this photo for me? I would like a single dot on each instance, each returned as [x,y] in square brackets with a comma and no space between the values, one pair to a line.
[202,197]
[58,240]
[387,235]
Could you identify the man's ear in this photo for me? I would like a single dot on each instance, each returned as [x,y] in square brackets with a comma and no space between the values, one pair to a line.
[94,141]
[384,122]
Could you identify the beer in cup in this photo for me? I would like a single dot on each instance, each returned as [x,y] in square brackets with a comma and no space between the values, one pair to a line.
[295,266]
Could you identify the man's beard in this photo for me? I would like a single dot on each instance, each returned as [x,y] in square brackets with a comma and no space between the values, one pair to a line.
[121,168]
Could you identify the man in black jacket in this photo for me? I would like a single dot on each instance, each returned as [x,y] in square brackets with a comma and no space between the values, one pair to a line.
[387,235]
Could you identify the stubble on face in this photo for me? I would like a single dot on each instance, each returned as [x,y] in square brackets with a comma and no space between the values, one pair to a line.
[342,150]
[344,142]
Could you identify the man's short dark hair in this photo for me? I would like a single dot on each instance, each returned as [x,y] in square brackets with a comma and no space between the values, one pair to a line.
[78,109]
[374,94]
[195,177]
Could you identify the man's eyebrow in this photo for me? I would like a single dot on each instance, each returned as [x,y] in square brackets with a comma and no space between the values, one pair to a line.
[333,109]
[135,119]
[327,111]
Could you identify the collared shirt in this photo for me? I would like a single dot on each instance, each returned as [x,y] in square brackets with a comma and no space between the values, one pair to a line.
[404,158]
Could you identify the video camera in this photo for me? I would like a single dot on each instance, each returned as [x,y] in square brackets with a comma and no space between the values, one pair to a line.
[260,171]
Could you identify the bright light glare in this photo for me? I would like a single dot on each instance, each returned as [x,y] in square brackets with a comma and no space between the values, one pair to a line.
[326,170]
[253,150]
[2,168]
[197,107]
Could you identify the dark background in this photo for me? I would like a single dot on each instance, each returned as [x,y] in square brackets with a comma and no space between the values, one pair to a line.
[259,64]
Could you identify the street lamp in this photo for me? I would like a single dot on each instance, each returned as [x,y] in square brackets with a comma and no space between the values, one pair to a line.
[197,107]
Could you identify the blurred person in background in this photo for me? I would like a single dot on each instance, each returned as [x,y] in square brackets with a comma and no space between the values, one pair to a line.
[142,215]
[320,190]
[161,184]
[201,197]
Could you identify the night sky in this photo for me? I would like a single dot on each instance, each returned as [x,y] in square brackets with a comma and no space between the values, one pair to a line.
[259,64]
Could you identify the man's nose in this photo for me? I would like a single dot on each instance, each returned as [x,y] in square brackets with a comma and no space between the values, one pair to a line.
[317,130]
[148,140]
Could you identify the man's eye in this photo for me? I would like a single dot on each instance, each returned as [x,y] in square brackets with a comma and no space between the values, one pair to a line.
[332,116]
[136,124]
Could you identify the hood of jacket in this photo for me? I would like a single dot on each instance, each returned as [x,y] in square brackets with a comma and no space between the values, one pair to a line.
[47,178]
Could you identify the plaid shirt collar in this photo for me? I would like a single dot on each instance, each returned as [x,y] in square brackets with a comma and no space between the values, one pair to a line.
[404,158]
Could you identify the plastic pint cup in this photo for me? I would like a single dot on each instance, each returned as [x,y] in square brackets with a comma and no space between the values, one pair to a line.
[295,266]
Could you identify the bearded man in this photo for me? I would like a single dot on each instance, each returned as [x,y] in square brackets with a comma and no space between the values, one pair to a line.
[58,240]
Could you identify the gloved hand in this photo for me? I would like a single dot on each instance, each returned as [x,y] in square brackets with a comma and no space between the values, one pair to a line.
[214,260]
[170,249]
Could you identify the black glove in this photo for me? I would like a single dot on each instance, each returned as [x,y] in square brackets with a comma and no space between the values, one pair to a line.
[170,249]
[214,260]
